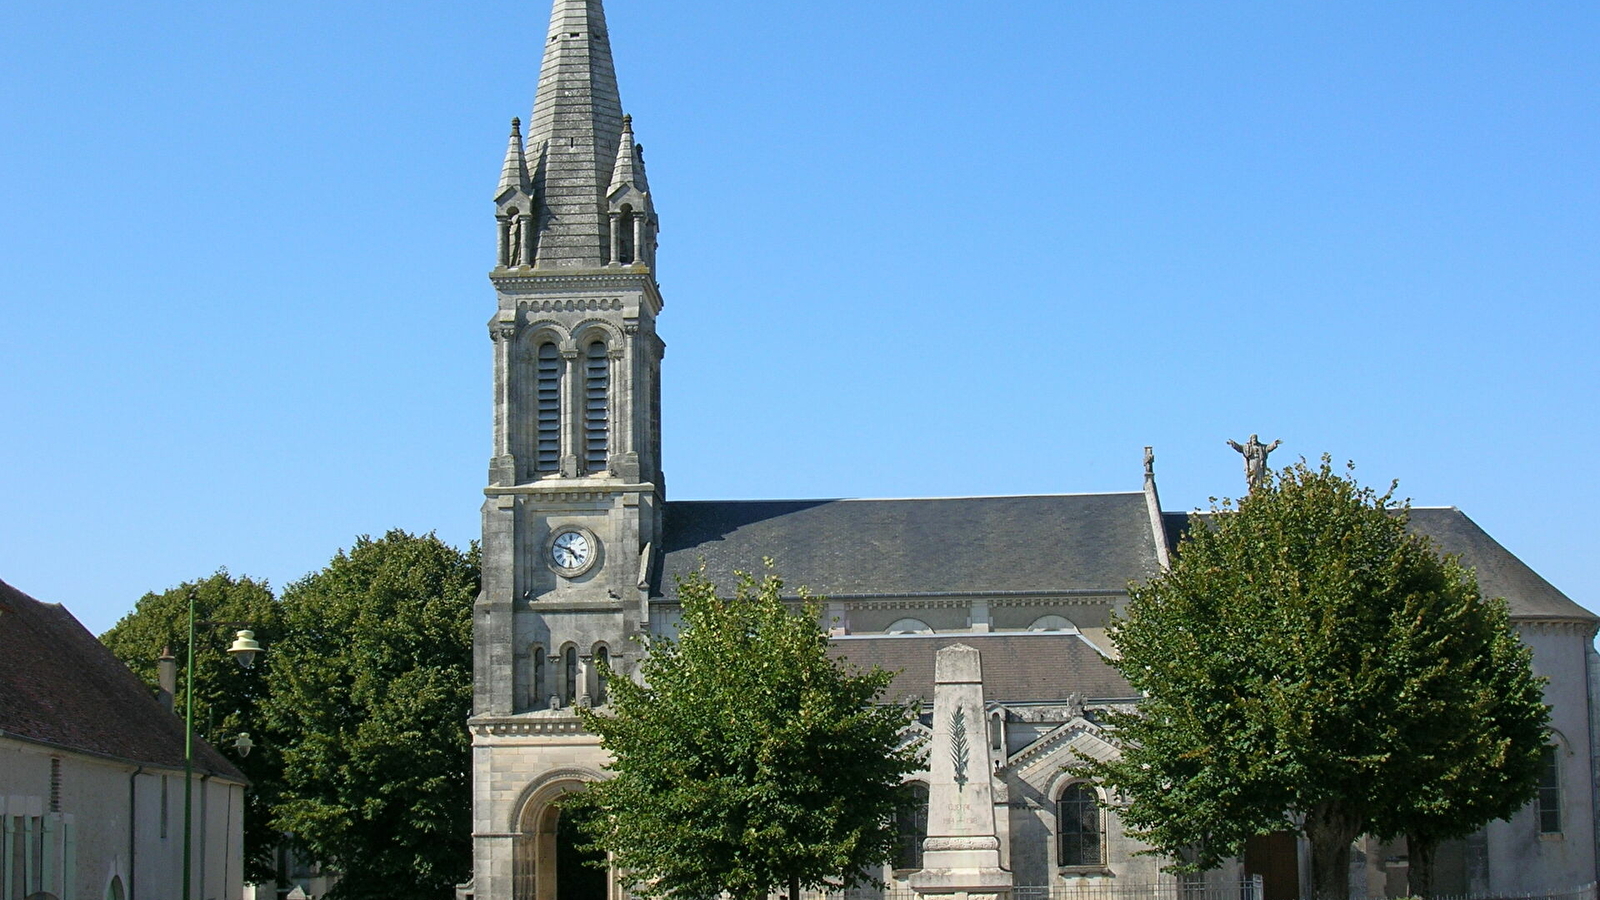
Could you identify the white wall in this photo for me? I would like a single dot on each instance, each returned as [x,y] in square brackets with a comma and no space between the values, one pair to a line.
[1520,858]
[99,798]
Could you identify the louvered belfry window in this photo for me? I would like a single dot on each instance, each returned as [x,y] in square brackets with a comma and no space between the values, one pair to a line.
[549,413]
[596,392]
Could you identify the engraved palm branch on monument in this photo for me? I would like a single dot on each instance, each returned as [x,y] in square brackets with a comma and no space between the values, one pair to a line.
[960,751]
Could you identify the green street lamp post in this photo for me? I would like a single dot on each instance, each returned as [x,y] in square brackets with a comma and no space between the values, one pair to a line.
[243,649]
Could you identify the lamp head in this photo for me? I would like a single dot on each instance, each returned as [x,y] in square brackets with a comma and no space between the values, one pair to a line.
[245,648]
[243,744]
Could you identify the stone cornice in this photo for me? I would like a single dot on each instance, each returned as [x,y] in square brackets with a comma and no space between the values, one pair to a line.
[524,281]
[518,726]
[552,602]
[570,489]
[1576,626]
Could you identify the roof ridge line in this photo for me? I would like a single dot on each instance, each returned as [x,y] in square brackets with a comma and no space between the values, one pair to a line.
[912,499]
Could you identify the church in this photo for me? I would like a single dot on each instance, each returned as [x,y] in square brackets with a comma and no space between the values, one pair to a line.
[1001,603]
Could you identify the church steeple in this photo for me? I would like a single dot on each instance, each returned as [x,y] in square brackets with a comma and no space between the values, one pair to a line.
[572,523]
[573,136]
[573,519]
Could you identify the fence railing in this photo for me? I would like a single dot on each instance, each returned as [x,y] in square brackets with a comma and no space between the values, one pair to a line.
[1091,889]
[1587,892]
[1168,889]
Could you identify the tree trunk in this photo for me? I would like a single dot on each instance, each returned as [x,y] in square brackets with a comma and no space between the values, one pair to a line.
[794,887]
[1331,827]
[1419,874]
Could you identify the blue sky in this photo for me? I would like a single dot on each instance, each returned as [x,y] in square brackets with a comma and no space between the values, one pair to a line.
[908,249]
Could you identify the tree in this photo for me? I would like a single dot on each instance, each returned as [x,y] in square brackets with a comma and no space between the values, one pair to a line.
[371,685]
[1306,661]
[729,759]
[1458,779]
[226,696]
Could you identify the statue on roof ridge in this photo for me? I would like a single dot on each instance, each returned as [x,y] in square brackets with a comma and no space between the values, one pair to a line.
[1255,459]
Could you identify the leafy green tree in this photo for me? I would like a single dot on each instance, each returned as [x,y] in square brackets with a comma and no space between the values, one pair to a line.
[728,760]
[1480,730]
[227,696]
[1300,661]
[371,687]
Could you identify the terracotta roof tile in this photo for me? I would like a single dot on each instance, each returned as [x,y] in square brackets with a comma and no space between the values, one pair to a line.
[61,686]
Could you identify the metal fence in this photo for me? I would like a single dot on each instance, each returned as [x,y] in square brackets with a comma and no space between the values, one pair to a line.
[1093,889]
[1166,889]
[1587,892]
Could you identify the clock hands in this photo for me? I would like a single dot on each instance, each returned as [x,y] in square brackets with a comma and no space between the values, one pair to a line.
[570,551]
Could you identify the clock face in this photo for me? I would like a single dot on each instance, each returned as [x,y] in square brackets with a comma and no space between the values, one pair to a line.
[571,551]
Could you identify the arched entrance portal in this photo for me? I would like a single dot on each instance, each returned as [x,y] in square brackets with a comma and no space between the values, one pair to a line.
[549,863]
[577,878]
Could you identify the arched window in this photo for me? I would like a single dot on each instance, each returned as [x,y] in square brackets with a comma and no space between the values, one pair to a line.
[511,239]
[912,827]
[597,390]
[569,685]
[548,454]
[1052,623]
[539,698]
[1550,792]
[601,655]
[625,243]
[909,626]
[1078,828]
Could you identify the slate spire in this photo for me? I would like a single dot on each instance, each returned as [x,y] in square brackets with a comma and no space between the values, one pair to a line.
[514,174]
[574,134]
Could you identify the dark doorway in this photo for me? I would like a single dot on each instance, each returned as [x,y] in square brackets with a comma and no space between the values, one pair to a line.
[1275,857]
[576,876]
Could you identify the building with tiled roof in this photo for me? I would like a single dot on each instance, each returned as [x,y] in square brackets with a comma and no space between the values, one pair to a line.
[582,549]
[92,773]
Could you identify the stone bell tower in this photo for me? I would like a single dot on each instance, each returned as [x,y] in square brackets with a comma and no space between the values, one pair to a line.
[572,515]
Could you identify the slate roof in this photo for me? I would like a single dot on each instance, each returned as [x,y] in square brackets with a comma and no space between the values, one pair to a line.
[1016,667]
[60,686]
[898,548]
[1500,572]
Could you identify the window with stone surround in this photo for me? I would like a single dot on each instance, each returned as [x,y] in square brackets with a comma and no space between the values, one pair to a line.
[602,655]
[1550,792]
[912,828]
[569,684]
[1080,829]
[539,695]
